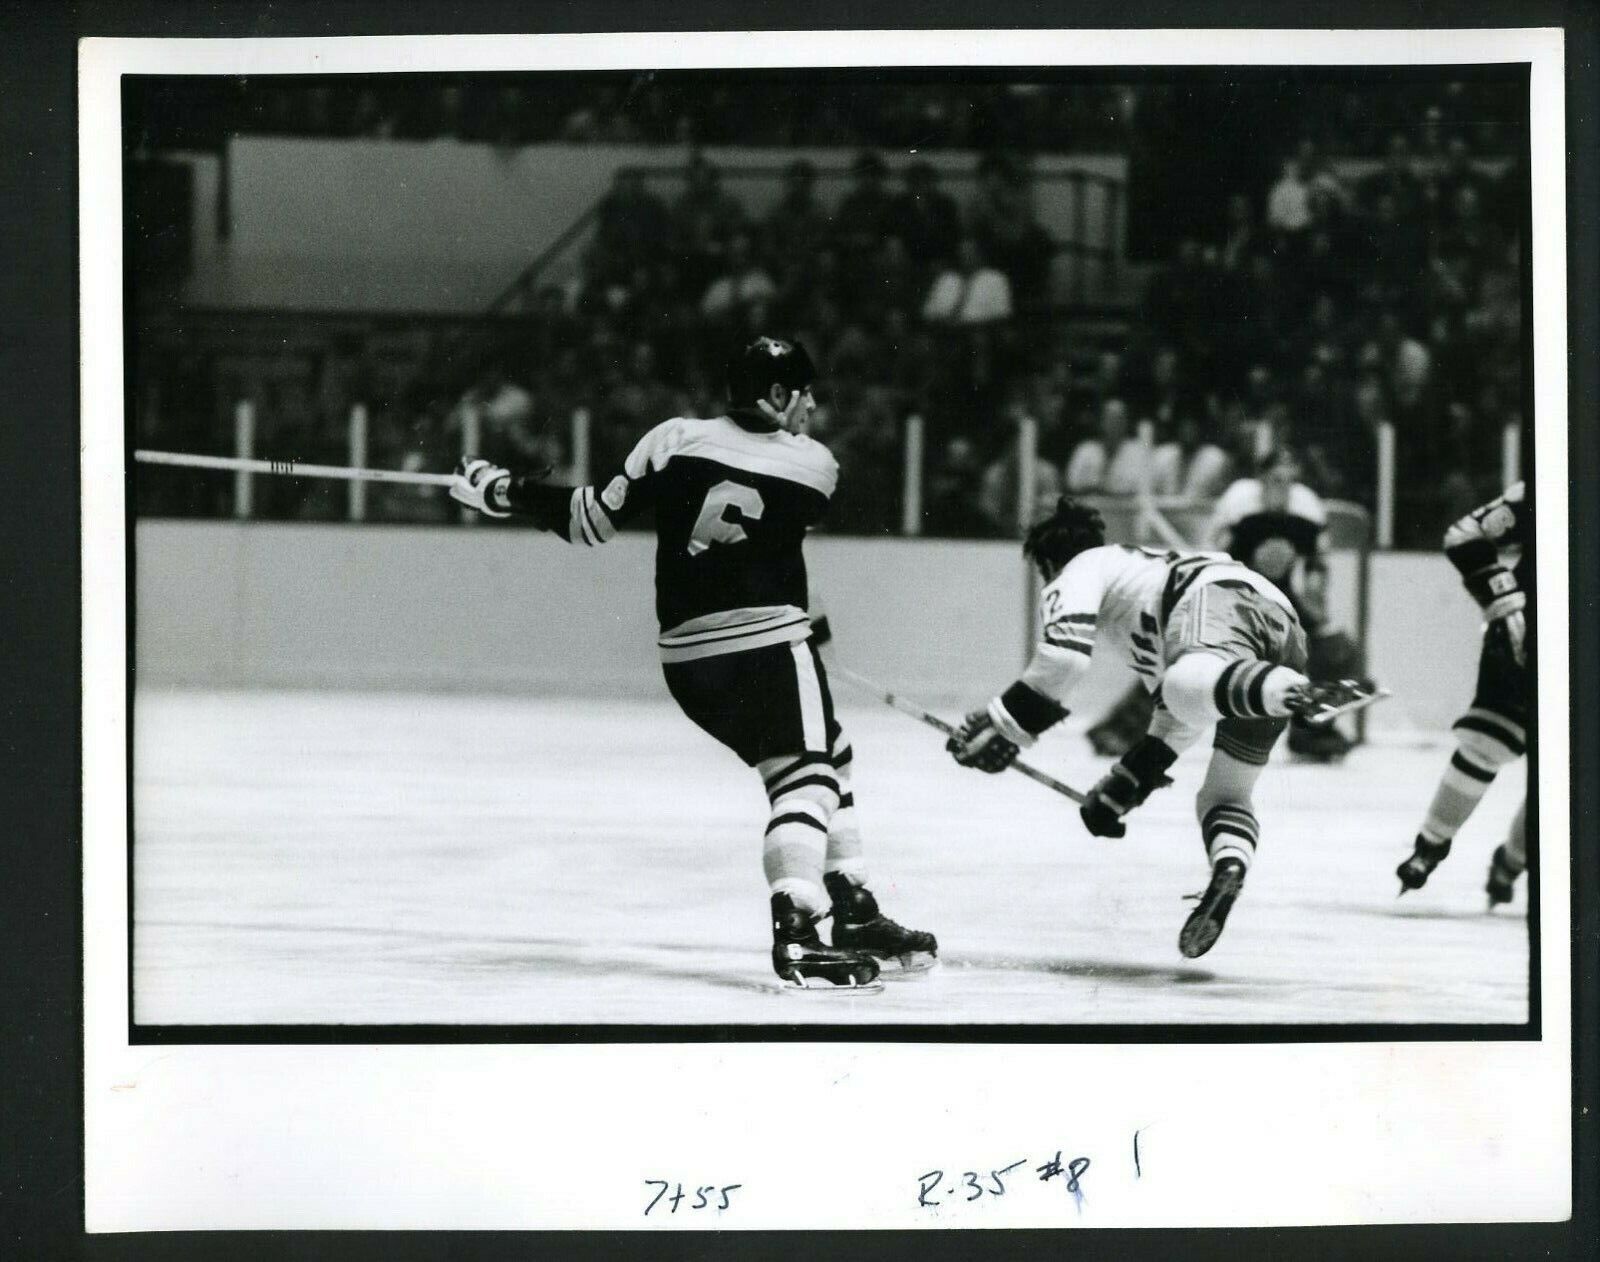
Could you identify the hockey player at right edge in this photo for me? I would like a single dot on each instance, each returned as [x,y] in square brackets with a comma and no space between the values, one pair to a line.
[1215,642]
[1487,546]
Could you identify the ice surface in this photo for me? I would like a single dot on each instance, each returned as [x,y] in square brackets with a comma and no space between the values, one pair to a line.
[336,858]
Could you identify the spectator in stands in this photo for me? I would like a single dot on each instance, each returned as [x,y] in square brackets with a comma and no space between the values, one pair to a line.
[999,497]
[1470,240]
[1177,295]
[1000,217]
[742,283]
[892,283]
[927,217]
[630,225]
[1324,187]
[1239,234]
[970,292]
[1390,256]
[797,226]
[951,505]
[703,220]
[865,214]
[1397,178]
[1454,174]
[1289,204]
[1110,462]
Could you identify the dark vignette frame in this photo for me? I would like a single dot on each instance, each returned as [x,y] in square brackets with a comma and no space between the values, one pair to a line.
[1008,1032]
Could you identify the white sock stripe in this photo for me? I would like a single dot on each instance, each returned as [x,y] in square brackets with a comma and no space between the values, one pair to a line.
[813,720]
[805,771]
[1509,726]
[1230,850]
[1226,818]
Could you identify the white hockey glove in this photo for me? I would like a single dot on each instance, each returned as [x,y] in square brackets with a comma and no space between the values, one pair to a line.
[796,413]
[481,485]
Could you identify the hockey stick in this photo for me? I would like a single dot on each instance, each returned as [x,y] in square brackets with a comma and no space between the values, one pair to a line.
[291,468]
[906,706]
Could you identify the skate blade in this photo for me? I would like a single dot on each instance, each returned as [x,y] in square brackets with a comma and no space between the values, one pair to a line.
[913,964]
[821,986]
[1349,707]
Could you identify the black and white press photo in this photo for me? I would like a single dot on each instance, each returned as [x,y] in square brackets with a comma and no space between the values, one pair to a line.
[1023,548]
[758,399]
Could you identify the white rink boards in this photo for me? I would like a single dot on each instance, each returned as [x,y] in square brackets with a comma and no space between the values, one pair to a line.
[382,858]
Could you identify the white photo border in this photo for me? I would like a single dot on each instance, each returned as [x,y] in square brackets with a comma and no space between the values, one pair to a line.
[556,1136]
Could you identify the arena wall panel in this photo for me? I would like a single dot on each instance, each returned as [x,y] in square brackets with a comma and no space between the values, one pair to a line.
[267,605]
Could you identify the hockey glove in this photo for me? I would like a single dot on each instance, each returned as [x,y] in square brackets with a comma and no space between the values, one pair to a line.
[1140,773]
[1507,612]
[1111,799]
[481,485]
[989,740]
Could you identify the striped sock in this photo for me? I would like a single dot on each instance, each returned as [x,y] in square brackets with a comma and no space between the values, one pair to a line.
[804,793]
[1230,831]
[1253,689]
[845,852]
[1461,788]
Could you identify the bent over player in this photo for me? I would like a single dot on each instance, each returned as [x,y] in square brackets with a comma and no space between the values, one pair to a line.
[1487,546]
[734,497]
[1213,640]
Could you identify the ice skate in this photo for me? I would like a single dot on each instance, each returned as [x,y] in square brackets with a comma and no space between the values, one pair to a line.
[1204,926]
[802,961]
[1319,704]
[858,925]
[1416,870]
[1502,878]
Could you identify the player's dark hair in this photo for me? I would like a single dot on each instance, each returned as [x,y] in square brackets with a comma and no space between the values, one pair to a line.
[766,362]
[1071,529]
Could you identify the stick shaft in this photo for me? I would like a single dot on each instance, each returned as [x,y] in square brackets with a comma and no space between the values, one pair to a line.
[907,706]
[291,468]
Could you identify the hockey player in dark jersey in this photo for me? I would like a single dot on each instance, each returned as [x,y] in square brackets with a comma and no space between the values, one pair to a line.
[1276,525]
[733,498]
[1488,546]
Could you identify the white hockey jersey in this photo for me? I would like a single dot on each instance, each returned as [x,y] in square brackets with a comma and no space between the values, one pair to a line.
[1115,600]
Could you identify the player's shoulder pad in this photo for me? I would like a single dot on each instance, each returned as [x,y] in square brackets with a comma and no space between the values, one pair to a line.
[651,453]
[777,454]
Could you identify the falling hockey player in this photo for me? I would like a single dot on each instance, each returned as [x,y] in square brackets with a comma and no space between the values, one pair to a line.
[1488,547]
[1215,642]
[733,498]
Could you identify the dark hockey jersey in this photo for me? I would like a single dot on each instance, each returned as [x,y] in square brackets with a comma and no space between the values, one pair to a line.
[732,508]
[1272,540]
[1489,546]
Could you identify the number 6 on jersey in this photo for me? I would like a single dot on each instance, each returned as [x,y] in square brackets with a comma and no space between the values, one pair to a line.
[713,525]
